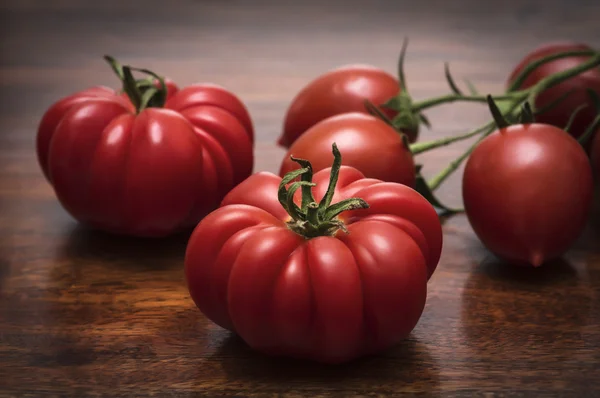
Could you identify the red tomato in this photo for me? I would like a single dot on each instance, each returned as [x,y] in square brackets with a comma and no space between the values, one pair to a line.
[527,192]
[559,115]
[368,144]
[339,91]
[328,297]
[150,173]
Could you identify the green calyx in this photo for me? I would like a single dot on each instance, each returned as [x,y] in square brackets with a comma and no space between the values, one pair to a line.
[406,119]
[143,93]
[515,107]
[312,219]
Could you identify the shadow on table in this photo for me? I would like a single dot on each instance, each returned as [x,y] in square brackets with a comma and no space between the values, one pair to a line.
[146,253]
[407,367]
[510,312]
[555,271]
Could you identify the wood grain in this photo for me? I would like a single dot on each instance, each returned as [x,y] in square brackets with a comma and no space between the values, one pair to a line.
[86,314]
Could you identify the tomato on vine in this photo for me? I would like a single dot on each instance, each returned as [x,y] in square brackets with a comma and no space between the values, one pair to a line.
[344,90]
[527,190]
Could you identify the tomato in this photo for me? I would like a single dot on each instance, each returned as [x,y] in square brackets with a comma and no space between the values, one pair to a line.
[337,91]
[559,115]
[309,283]
[147,173]
[368,144]
[527,192]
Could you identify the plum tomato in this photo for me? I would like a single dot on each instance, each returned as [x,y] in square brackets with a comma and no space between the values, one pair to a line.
[527,191]
[341,90]
[368,143]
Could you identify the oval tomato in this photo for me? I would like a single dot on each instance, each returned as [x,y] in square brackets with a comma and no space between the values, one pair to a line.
[340,90]
[527,192]
[368,144]
[146,173]
[577,86]
[331,283]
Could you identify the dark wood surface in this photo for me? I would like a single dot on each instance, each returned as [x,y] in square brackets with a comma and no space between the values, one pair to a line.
[83,313]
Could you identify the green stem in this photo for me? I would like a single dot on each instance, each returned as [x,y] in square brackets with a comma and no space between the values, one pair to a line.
[140,94]
[499,119]
[589,132]
[520,79]
[448,98]
[557,78]
[421,147]
[438,179]
[511,93]
[312,219]
[312,213]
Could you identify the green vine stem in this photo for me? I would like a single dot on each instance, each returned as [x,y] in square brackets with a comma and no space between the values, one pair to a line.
[589,132]
[312,219]
[512,99]
[521,97]
[420,147]
[511,94]
[141,94]
[520,79]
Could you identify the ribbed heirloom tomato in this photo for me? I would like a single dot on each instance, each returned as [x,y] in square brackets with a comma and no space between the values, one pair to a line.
[149,161]
[338,91]
[368,143]
[329,277]
[527,191]
[573,91]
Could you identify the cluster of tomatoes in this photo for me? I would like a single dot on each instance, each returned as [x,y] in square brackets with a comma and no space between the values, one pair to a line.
[330,259]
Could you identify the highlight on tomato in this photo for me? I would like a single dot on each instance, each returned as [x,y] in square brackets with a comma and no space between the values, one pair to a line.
[264,265]
[527,191]
[563,99]
[146,161]
[368,143]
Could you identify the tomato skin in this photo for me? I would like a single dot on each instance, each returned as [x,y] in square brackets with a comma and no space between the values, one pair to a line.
[527,192]
[249,273]
[149,174]
[559,115]
[337,91]
[368,144]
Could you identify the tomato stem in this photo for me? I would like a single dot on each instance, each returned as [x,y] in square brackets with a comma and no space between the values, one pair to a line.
[520,79]
[589,132]
[313,219]
[142,93]
[421,147]
[519,98]
[486,129]
[572,117]
[499,118]
[511,94]
[557,78]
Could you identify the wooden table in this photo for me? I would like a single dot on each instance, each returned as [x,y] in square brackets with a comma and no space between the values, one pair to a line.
[84,313]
